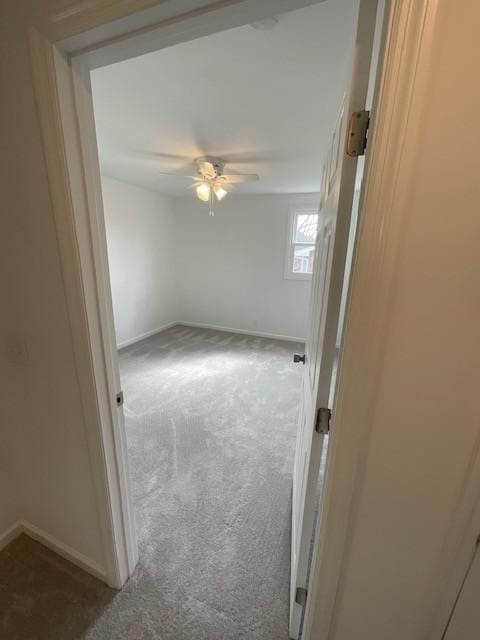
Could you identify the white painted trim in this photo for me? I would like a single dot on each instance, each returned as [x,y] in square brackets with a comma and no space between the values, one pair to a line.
[258,334]
[66,174]
[147,334]
[10,534]
[165,24]
[63,550]
[89,219]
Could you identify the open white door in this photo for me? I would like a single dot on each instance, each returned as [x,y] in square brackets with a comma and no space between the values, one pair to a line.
[338,185]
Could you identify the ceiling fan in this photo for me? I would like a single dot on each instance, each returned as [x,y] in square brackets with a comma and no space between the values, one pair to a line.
[211,183]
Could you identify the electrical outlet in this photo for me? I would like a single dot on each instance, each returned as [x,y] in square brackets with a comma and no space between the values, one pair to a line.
[16,351]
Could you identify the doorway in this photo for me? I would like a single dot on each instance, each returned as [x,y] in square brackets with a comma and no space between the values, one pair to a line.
[204,305]
[112,382]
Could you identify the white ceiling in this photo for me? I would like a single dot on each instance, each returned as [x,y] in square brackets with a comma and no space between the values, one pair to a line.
[265,101]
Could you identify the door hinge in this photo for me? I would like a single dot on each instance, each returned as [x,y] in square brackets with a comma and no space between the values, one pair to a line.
[322,423]
[301,596]
[119,399]
[357,133]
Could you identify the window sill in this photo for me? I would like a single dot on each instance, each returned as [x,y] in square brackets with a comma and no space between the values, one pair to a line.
[298,276]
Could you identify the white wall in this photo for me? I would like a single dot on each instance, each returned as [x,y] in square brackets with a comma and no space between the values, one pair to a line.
[12,408]
[231,267]
[11,439]
[42,424]
[171,262]
[141,255]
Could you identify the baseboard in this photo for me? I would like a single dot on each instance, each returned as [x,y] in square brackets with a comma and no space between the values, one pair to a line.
[258,334]
[10,534]
[63,550]
[127,343]
[214,327]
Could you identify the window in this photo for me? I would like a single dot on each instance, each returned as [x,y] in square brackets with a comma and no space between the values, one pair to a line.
[302,235]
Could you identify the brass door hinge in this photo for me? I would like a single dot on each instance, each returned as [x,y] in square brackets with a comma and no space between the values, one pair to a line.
[301,596]
[322,422]
[357,133]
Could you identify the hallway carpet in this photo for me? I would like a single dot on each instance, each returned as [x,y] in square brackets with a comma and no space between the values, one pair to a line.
[211,424]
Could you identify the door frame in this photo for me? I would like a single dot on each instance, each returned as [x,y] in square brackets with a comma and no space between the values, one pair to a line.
[64,49]
[64,46]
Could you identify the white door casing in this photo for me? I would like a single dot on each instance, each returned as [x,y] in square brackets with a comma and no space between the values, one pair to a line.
[338,186]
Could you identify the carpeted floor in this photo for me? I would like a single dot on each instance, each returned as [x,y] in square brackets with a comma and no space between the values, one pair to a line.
[211,424]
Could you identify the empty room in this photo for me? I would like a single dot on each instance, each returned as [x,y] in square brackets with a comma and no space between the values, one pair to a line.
[211,157]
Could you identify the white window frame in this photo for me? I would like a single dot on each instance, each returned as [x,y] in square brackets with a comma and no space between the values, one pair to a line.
[291,244]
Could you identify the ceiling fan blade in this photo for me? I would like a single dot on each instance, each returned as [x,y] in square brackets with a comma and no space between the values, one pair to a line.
[196,182]
[159,155]
[179,165]
[240,177]
[175,175]
[247,157]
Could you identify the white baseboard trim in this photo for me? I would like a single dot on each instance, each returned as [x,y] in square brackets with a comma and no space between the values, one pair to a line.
[10,534]
[127,343]
[63,550]
[258,334]
[214,327]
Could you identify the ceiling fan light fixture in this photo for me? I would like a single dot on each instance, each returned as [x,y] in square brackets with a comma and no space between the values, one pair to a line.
[220,192]
[210,183]
[203,191]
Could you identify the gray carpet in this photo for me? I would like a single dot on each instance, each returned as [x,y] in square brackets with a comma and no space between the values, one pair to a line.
[211,423]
